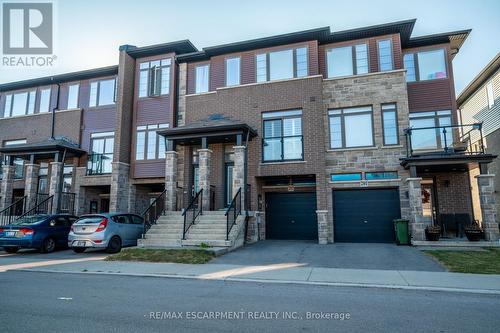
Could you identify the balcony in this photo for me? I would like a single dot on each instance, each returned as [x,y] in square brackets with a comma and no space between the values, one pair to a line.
[445,140]
[99,164]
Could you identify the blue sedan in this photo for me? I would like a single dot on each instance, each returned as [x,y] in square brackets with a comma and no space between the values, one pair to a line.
[44,232]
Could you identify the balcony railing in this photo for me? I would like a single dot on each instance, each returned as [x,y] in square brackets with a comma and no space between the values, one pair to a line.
[452,139]
[99,164]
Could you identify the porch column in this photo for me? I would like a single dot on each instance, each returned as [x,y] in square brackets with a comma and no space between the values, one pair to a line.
[417,228]
[486,187]
[239,173]
[31,184]
[7,184]
[171,180]
[56,170]
[205,165]
[79,191]
[121,196]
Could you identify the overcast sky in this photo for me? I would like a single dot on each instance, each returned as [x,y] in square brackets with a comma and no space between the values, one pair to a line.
[89,32]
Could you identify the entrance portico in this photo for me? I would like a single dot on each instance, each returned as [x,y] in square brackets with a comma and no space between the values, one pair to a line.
[214,161]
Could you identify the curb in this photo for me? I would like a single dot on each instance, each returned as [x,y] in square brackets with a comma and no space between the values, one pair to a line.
[236,279]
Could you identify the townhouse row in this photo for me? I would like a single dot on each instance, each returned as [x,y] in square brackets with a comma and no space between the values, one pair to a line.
[322,135]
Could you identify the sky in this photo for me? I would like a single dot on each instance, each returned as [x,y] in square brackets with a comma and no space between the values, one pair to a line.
[88,32]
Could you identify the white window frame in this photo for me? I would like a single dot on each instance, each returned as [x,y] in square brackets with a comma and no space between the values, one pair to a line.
[490,94]
[159,143]
[77,102]
[226,61]
[95,102]
[199,88]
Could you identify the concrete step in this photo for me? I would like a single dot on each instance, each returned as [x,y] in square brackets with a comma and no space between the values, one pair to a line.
[164,237]
[209,242]
[147,243]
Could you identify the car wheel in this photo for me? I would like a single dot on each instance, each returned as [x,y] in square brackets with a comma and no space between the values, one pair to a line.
[79,249]
[114,245]
[11,249]
[48,245]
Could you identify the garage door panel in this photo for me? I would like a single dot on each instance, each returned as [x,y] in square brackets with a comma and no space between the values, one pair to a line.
[291,216]
[365,215]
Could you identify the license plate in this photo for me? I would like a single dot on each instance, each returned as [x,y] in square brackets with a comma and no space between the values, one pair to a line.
[79,244]
[10,233]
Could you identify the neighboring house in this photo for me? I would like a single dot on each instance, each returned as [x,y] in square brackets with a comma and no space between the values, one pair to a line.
[319,135]
[479,102]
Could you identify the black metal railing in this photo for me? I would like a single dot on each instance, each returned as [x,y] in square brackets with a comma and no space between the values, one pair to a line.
[232,212]
[67,203]
[193,210]
[99,164]
[451,139]
[13,211]
[43,207]
[154,211]
[40,197]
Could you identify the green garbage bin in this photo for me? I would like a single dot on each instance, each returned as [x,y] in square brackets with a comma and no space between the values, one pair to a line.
[401,230]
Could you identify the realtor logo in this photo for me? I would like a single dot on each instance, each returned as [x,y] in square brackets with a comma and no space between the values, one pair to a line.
[27,28]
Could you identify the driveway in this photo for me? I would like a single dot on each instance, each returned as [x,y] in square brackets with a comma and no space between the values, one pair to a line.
[339,255]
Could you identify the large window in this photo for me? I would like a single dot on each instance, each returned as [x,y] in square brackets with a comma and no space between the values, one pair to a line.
[101,156]
[102,92]
[202,78]
[425,65]
[232,71]
[20,104]
[282,136]
[73,96]
[390,124]
[154,78]
[385,55]
[45,100]
[348,60]
[352,127]
[426,133]
[149,145]
[280,65]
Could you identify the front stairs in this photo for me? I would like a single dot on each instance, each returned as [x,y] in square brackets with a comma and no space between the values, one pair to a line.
[209,229]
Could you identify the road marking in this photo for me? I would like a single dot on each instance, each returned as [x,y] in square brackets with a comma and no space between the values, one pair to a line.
[4,268]
[65,298]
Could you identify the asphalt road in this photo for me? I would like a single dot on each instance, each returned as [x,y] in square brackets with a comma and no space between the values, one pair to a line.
[43,302]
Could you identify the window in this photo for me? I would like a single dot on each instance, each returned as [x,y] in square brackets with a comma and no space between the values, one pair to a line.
[102,145]
[202,79]
[385,55]
[282,136]
[18,168]
[489,94]
[73,96]
[347,60]
[409,63]
[154,78]
[102,93]
[45,100]
[390,124]
[150,145]
[280,65]
[343,177]
[67,179]
[426,134]
[351,127]
[426,65]
[43,185]
[20,104]
[14,142]
[381,175]
[232,71]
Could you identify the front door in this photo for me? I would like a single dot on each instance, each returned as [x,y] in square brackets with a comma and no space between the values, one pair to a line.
[104,206]
[428,200]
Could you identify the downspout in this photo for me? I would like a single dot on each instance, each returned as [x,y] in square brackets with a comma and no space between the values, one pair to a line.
[53,125]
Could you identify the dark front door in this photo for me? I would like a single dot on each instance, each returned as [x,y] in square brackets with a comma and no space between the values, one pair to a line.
[291,216]
[104,206]
[365,216]
[228,186]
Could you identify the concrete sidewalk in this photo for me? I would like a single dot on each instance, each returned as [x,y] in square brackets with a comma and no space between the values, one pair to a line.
[288,273]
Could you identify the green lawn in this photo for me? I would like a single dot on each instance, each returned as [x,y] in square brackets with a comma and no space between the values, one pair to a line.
[181,256]
[486,261]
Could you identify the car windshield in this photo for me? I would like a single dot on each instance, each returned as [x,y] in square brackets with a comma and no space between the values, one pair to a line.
[30,219]
[90,219]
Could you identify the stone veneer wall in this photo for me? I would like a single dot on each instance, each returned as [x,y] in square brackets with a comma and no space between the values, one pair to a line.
[371,89]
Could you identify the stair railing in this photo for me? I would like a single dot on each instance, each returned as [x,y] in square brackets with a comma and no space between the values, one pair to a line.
[192,211]
[154,211]
[232,212]
[43,207]
[14,210]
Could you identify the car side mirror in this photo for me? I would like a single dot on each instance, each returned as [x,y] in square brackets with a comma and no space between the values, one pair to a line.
[52,223]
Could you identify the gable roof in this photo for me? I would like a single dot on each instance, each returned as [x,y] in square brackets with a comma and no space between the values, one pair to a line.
[488,71]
